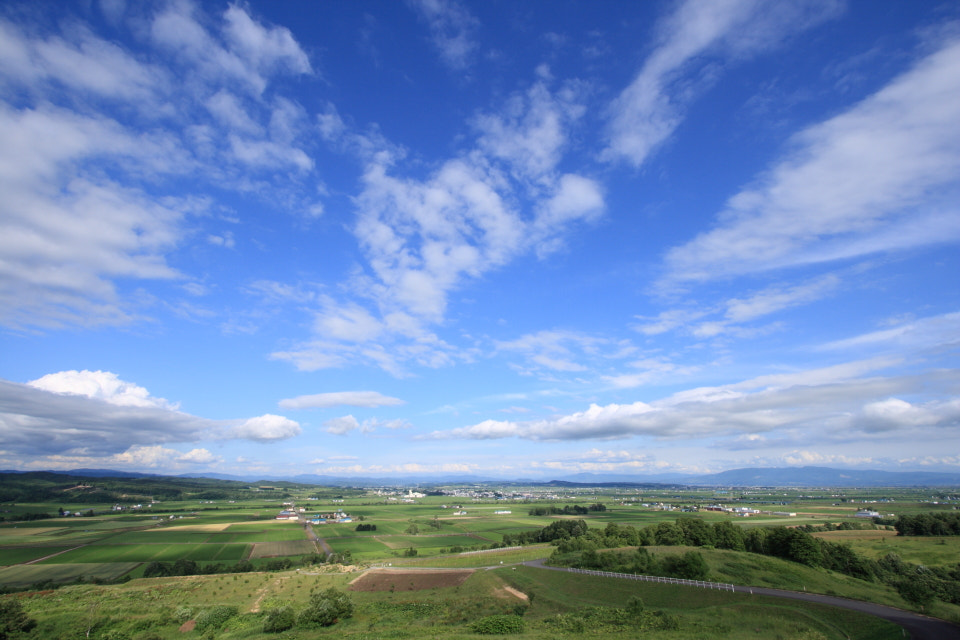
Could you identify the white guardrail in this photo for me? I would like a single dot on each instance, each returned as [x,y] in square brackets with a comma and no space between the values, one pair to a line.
[632,576]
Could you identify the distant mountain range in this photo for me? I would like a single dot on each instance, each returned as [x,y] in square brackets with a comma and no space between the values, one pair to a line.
[758,477]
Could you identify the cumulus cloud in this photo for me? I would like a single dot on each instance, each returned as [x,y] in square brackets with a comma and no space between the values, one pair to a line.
[266,428]
[880,177]
[337,398]
[101,385]
[97,413]
[424,237]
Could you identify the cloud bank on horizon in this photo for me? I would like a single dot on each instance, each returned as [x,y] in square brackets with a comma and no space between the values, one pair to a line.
[479,238]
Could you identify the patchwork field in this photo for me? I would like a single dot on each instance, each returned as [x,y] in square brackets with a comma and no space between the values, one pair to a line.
[281,549]
[160,552]
[25,575]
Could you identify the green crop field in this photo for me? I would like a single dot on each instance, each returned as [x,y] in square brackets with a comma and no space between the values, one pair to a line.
[25,575]
[286,548]
[149,552]
[929,551]
[18,555]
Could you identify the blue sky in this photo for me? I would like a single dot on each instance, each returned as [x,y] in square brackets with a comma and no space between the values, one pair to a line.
[504,239]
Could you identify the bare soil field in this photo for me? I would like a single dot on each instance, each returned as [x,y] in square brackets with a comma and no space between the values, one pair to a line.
[405,580]
[193,528]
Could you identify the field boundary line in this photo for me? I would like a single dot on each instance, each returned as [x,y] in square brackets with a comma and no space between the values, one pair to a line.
[53,555]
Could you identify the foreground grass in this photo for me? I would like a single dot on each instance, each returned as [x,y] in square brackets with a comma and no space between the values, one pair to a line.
[558,604]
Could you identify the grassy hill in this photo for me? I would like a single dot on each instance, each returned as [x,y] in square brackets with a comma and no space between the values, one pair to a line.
[553,604]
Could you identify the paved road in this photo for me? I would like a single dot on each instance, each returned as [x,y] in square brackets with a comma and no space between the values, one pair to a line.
[320,541]
[919,627]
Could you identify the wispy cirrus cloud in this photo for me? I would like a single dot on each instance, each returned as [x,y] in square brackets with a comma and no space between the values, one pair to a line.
[370,399]
[696,34]
[345,424]
[93,147]
[880,177]
[452,30]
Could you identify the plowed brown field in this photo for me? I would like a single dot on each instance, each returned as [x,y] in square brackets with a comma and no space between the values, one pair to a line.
[405,580]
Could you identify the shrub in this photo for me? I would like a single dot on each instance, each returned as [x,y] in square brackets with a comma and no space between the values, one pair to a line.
[13,619]
[182,614]
[215,617]
[279,619]
[498,625]
[325,609]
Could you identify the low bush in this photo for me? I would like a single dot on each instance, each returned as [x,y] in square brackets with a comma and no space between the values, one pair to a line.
[498,625]
[215,618]
[279,619]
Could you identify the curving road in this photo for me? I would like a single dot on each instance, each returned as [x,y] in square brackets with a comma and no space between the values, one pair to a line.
[919,627]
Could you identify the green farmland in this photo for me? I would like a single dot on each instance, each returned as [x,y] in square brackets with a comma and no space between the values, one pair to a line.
[257,562]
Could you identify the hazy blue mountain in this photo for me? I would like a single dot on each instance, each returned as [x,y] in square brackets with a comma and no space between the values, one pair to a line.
[763,476]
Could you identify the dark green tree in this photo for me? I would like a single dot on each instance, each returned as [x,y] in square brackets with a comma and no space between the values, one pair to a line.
[13,619]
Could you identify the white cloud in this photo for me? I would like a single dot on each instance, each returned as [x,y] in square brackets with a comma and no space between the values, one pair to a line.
[894,414]
[530,133]
[92,149]
[824,403]
[268,49]
[341,426]
[775,299]
[451,28]
[250,54]
[100,385]
[64,238]
[423,238]
[266,428]
[158,457]
[935,332]
[880,177]
[344,425]
[648,111]
[557,350]
[198,456]
[95,413]
[368,399]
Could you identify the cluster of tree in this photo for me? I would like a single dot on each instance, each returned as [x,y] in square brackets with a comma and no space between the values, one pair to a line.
[579,546]
[183,567]
[689,565]
[559,530]
[568,510]
[27,517]
[839,526]
[366,527]
[13,619]
[324,609]
[929,524]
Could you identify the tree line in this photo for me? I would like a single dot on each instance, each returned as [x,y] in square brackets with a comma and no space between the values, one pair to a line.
[568,510]
[578,545]
[929,524]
